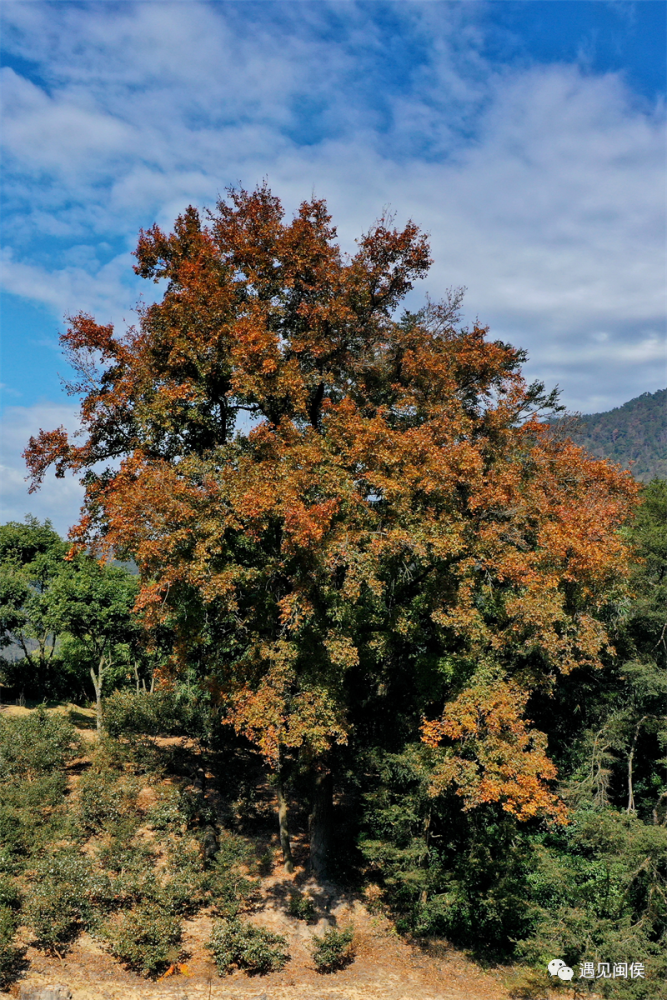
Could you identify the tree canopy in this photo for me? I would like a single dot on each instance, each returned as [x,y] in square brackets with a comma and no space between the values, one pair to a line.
[31,559]
[69,617]
[350,518]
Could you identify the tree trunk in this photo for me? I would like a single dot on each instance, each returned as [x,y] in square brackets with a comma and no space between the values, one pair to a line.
[97,684]
[319,824]
[54,638]
[283,825]
[423,899]
[656,810]
[631,794]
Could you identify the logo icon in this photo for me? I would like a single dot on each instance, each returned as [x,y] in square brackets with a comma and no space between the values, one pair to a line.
[557,967]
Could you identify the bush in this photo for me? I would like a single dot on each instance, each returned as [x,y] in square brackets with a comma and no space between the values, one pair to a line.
[147,939]
[184,888]
[140,754]
[33,815]
[180,807]
[60,899]
[53,917]
[36,744]
[228,878]
[9,954]
[10,897]
[237,942]
[301,906]
[129,866]
[100,801]
[333,950]
[167,813]
[162,713]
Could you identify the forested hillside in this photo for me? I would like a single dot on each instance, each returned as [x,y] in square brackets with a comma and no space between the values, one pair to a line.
[634,434]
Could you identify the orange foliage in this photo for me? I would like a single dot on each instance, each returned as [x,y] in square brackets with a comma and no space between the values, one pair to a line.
[494,757]
[397,486]
[179,967]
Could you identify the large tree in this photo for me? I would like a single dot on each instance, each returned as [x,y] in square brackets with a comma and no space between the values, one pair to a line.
[334,506]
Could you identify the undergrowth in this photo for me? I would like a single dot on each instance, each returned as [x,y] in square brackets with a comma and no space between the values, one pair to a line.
[333,950]
[120,852]
[237,943]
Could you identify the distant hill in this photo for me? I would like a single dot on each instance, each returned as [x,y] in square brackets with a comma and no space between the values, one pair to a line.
[635,435]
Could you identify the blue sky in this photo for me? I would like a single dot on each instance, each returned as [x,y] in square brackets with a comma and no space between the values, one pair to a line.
[528,139]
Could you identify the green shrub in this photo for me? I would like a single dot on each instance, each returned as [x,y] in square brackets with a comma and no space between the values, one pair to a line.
[185,882]
[62,894]
[10,897]
[100,801]
[235,942]
[53,916]
[184,887]
[167,813]
[33,815]
[162,713]
[301,906]
[43,793]
[140,754]
[129,866]
[146,939]
[334,950]
[9,954]
[180,807]
[194,809]
[228,875]
[36,744]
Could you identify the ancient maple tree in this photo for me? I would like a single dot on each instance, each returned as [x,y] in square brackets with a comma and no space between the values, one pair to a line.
[326,498]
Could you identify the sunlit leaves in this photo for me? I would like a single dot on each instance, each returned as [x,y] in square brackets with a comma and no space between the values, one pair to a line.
[491,755]
[398,497]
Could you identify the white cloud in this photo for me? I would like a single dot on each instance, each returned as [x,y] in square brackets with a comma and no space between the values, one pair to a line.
[58,499]
[9,390]
[69,132]
[96,289]
[542,188]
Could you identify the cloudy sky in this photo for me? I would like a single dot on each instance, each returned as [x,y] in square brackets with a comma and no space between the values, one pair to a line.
[527,138]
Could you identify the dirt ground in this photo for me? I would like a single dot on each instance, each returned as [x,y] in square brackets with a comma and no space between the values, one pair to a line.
[385,968]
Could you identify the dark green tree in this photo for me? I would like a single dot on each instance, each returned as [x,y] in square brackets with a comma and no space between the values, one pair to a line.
[31,560]
[644,671]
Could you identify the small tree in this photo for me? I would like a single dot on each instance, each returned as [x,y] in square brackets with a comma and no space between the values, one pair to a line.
[94,604]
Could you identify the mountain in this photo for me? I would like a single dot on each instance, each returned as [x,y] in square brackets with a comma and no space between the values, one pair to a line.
[634,435]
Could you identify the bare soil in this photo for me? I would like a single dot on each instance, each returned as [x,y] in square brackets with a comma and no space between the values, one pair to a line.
[385,967]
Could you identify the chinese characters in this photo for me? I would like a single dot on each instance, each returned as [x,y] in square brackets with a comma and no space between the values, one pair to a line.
[612,970]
